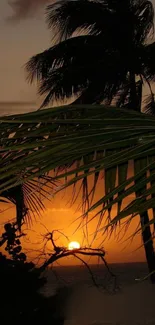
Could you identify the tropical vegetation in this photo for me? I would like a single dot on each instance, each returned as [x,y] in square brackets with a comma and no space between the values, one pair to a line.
[103,52]
[78,141]
[108,62]
[28,197]
[21,283]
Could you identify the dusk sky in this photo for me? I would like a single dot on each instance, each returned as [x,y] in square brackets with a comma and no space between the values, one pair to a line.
[19,40]
[23,33]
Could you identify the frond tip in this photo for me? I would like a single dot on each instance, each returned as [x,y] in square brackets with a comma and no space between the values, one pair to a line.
[68,16]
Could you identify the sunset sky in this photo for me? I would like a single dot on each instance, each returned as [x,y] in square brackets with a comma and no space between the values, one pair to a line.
[23,34]
[19,40]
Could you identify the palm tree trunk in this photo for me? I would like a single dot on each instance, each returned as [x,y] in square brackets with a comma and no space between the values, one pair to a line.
[144,217]
[148,245]
[147,240]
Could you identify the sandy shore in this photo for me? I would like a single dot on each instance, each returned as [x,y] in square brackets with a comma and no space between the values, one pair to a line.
[134,305]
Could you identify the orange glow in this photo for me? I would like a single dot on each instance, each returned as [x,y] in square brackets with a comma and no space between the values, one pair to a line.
[59,214]
[73,245]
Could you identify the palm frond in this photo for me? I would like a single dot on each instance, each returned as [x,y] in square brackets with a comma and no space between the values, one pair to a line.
[39,66]
[29,197]
[95,66]
[80,66]
[144,12]
[69,16]
[80,141]
[101,17]
[66,69]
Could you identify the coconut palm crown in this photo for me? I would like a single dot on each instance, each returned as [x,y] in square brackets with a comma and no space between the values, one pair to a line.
[103,53]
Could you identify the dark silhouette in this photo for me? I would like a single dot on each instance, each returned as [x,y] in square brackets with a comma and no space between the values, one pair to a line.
[27,197]
[61,252]
[108,63]
[20,282]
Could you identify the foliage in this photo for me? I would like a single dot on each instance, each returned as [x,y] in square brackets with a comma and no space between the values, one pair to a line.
[20,283]
[102,54]
[28,197]
[79,141]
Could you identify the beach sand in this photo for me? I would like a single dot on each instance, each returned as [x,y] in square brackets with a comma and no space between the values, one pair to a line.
[132,305]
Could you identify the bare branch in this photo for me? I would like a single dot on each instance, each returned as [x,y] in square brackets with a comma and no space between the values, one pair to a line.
[89,269]
[62,252]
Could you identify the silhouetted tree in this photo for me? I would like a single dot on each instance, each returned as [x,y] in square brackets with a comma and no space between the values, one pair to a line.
[108,62]
[20,282]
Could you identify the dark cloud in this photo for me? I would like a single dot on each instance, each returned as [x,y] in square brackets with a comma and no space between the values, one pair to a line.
[23,9]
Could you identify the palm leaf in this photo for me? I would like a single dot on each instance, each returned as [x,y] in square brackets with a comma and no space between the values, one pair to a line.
[67,17]
[110,175]
[77,142]
[76,67]
[28,198]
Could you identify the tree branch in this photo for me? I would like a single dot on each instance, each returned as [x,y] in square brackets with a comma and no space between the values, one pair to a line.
[62,252]
[89,269]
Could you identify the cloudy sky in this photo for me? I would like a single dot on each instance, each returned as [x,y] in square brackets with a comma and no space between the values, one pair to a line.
[23,33]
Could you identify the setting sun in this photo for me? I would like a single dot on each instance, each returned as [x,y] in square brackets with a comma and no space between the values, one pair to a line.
[73,245]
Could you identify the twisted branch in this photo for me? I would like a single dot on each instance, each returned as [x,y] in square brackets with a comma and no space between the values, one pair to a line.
[62,252]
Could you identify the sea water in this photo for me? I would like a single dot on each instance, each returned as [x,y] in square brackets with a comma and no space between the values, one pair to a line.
[126,301]
[126,275]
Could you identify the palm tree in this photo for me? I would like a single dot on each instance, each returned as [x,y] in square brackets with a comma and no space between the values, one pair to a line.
[108,62]
[83,140]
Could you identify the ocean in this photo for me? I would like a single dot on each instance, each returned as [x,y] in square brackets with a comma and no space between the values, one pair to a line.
[126,274]
[126,301]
